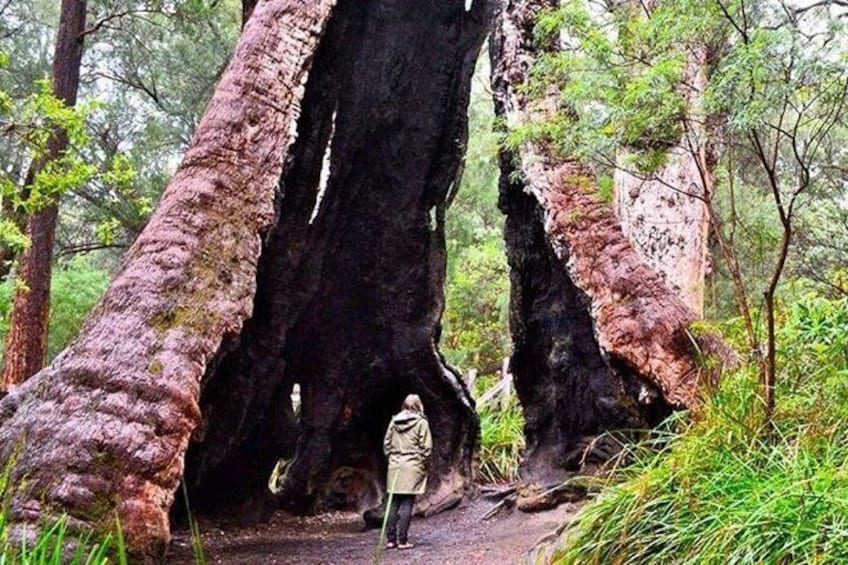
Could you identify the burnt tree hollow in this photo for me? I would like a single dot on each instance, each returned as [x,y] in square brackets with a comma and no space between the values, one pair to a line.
[350,280]
[301,241]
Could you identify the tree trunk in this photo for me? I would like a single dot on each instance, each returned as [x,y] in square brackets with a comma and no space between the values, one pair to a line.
[103,430]
[271,262]
[666,219]
[26,342]
[350,286]
[600,342]
[664,213]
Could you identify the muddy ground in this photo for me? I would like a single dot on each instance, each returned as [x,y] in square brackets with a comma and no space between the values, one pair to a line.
[456,537]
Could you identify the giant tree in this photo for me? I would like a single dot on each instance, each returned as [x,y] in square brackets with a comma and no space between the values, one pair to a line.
[270,262]
[600,341]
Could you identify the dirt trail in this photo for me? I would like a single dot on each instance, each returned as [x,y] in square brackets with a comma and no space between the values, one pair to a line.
[456,537]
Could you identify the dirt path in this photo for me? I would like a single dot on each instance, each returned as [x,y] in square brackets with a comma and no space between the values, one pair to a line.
[456,537]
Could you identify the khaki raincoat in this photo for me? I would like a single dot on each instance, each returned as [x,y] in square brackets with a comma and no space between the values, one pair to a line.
[407,445]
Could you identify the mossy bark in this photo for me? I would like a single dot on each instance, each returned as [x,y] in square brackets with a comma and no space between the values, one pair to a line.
[102,432]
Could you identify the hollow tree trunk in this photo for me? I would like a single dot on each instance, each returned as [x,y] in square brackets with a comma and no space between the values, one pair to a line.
[103,430]
[350,286]
[600,342]
[26,341]
[664,214]
[271,262]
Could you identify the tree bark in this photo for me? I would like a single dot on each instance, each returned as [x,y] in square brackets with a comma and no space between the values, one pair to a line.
[665,217]
[26,342]
[665,213]
[600,341]
[103,430]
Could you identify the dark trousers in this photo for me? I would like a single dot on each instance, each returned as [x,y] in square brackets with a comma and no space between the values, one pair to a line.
[400,514]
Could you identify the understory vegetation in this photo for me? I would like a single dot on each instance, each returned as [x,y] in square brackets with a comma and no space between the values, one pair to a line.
[725,486]
[76,286]
[52,544]
[501,442]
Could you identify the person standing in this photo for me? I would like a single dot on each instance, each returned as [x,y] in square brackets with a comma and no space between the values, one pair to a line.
[407,446]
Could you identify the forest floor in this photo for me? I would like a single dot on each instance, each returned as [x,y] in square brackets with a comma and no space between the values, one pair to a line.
[456,537]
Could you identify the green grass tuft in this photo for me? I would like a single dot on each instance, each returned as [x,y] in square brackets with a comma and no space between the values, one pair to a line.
[724,487]
[501,445]
[56,543]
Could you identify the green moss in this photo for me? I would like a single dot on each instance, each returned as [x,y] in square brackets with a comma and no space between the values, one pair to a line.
[606,188]
[575,215]
[155,367]
[584,184]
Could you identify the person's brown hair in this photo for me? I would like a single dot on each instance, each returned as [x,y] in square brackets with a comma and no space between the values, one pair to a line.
[413,402]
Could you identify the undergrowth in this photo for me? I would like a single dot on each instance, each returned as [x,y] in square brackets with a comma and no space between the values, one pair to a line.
[725,487]
[502,441]
[55,543]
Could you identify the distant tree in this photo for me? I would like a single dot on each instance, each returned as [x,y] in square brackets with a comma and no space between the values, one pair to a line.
[26,344]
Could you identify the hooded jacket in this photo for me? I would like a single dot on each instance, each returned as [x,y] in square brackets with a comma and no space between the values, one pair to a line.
[407,445]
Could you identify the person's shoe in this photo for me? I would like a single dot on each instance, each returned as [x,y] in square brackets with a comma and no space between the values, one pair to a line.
[391,544]
[405,545]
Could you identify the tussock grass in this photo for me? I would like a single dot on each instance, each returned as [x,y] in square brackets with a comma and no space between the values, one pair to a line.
[723,486]
[56,543]
[501,443]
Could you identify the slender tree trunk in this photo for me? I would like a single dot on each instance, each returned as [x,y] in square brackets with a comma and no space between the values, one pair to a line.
[608,346]
[769,367]
[103,430]
[26,344]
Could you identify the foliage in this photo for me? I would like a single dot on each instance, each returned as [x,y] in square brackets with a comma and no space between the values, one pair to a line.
[501,443]
[29,125]
[76,287]
[153,66]
[478,301]
[722,488]
[761,90]
[148,71]
[475,334]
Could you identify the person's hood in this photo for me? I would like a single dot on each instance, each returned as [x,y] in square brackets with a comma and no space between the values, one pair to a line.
[405,419]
